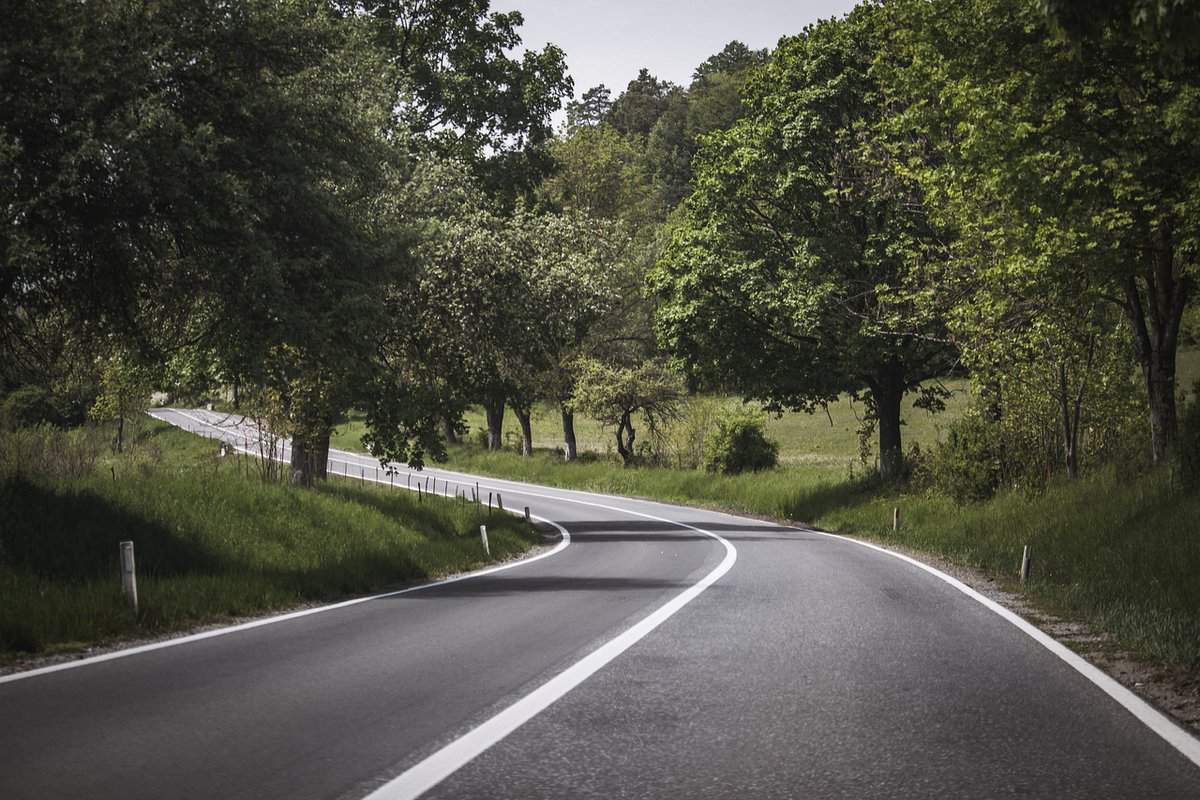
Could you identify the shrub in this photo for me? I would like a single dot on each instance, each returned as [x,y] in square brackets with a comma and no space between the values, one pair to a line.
[686,439]
[969,464]
[50,452]
[27,407]
[1187,448]
[740,443]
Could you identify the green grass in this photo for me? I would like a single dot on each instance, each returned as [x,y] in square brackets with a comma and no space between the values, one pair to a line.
[212,542]
[820,439]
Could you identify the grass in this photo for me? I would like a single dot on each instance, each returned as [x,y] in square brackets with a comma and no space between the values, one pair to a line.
[212,543]
[826,440]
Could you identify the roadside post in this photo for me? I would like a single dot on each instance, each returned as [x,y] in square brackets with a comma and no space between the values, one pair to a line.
[1025,557]
[483,538]
[129,575]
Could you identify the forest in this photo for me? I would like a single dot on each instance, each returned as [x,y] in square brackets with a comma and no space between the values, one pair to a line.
[359,223]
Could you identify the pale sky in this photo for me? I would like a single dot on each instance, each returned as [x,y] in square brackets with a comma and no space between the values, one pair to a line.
[607,41]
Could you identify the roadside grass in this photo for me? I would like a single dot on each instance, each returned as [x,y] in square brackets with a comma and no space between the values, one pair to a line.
[212,542]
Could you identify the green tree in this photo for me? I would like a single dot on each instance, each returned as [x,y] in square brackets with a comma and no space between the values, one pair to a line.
[784,279]
[614,395]
[591,109]
[125,387]
[1087,156]
[458,89]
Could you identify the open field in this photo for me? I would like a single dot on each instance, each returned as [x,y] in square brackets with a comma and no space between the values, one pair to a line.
[829,441]
[212,542]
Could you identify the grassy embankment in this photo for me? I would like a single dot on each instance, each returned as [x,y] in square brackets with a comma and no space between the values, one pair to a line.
[1118,551]
[212,542]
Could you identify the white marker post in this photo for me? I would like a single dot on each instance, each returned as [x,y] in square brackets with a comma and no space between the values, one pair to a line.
[483,538]
[1025,564]
[129,575]
[896,519]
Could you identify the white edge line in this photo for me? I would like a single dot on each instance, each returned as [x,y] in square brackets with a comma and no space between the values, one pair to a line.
[441,764]
[196,637]
[435,768]
[1175,735]
[1151,717]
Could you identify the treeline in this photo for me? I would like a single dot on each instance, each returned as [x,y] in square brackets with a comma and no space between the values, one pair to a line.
[326,206]
[1000,187]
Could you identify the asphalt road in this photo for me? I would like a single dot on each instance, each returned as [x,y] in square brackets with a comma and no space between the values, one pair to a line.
[665,652]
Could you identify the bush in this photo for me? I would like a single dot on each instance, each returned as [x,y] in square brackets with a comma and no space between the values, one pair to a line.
[50,452]
[1187,449]
[686,439]
[27,407]
[968,466]
[740,443]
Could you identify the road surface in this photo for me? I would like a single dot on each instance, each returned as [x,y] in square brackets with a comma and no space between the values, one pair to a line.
[658,652]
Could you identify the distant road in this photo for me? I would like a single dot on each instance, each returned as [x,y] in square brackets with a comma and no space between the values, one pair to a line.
[663,652]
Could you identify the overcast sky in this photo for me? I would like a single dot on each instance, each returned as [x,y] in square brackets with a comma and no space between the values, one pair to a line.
[607,41]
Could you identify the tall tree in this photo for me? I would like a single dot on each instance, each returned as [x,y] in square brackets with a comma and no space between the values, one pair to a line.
[779,281]
[195,174]
[591,109]
[1091,154]
[458,89]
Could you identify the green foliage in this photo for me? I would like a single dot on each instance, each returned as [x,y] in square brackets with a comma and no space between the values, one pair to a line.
[613,395]
[785,278]
[969,464]
[460,90]
[740,444]
[26,407]
[1067,173]
[125,387]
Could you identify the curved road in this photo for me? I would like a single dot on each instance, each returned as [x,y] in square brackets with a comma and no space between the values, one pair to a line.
[663,652]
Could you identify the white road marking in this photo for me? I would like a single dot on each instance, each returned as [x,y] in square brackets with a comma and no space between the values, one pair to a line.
[433,770]
[1150,716]
[1156,721]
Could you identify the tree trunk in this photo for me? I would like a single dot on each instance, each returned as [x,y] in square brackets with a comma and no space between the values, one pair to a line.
[888,393]
[523,417]
[1156,336]
[570,452]
[1070,429]
[448,431]
[120,433]
[495,422]
[309,458]
[237,393]
[625,437]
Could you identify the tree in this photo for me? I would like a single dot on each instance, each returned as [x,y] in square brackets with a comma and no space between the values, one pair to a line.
[457,89]
[198,175]
[783,279]
[614,395]
[641,104]
[125,387]
[1087,153]
[591,109]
